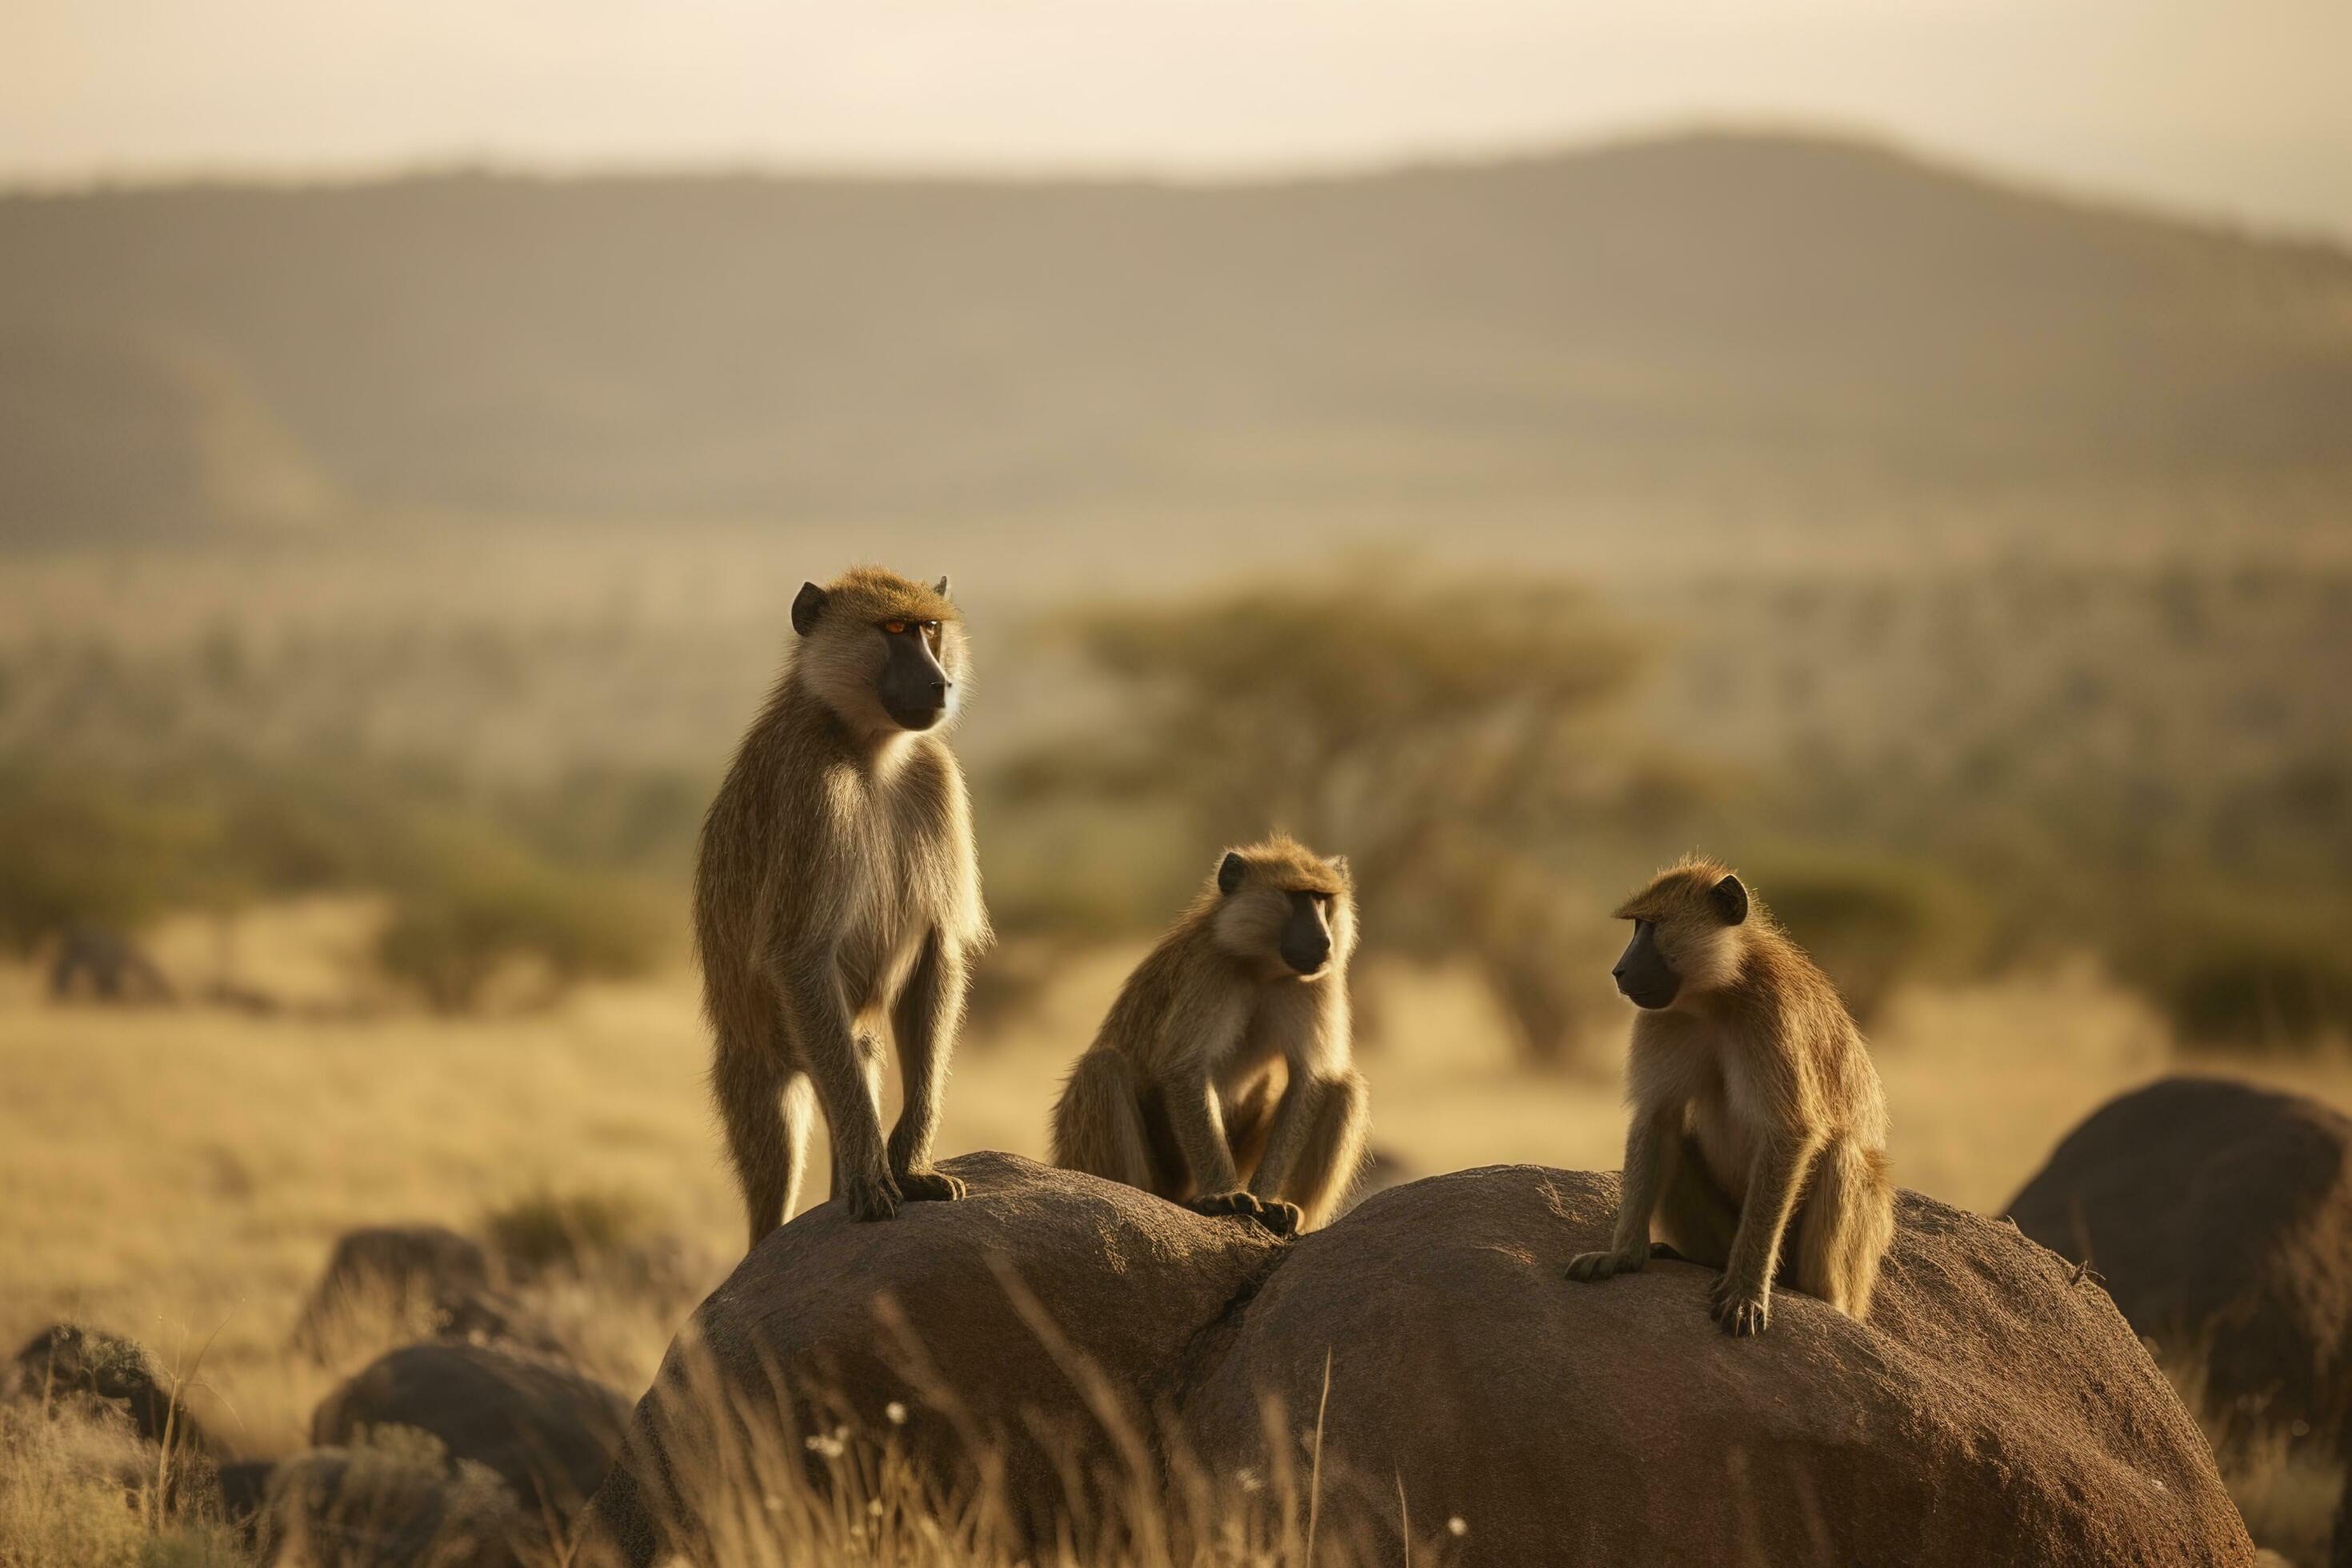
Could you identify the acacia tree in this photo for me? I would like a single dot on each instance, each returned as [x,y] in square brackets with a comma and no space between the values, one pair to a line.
[1436,733]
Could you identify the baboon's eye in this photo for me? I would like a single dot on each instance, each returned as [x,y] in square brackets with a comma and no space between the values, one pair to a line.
[896,628]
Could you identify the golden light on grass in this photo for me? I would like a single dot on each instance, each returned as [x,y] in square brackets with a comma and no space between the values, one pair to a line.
[180,1176]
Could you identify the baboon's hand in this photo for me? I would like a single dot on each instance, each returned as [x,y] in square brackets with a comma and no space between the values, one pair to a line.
[1272,1214]
[1281,1217]
[928,1186]
[872,1197]
[1592,1268]
[1740,1311]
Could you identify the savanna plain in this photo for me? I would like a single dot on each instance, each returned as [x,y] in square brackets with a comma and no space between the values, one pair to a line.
[180,1171]
[1966,567]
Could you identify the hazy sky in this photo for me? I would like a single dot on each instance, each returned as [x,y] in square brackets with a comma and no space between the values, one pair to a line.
[2233,107]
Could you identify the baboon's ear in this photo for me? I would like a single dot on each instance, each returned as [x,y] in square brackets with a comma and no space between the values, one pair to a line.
[1229,872]
[807,608]
[1730,900]
[941,588]
[1340,864]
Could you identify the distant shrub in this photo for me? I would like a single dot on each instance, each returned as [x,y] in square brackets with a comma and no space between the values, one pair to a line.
[547,1230]
[1086,868]
[1543,956]
[1870,924]
[1429,728]
[86,851]
[480,907]
[1545,1006]
[2254,984]
[480,882]
[1010,982]
[605,1239]
[612,816]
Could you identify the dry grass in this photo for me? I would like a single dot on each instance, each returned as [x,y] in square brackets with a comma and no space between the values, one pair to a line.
[83,1492]
[180,1174]
[744,1487]
[174,1173]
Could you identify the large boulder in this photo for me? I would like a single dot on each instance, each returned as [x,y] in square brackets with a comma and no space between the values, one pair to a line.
[1052,1335]
[2219,1217]
[104,1376]
[1991,1410]
[982,1336]
[545,1430]
[392,1283]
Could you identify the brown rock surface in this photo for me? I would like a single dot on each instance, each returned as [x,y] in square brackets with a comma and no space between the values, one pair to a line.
[548,1432]
[2219,1217]
[108,1375]
[1994,1410]
[914,1311]
[1991,1410]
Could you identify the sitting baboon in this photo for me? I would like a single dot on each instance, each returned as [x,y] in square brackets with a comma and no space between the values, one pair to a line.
[837,887]
[1227,1057]
[1755,1107]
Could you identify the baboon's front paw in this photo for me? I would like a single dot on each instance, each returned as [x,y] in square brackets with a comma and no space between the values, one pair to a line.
[1280,1217]
[1224,1203]
[1740,1312]
[872,1197]
[1277,1216]
[930,1187]
[1592,1268]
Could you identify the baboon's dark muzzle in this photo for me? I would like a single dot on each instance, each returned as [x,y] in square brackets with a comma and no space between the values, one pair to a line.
[1306,940]
[914,689]
[1642,974]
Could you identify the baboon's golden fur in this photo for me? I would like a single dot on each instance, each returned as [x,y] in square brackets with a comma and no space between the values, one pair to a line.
[1755,1111]
[835,888]
[1218,1064]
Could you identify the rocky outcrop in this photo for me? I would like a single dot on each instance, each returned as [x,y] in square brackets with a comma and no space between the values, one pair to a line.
[2218,1215]
[106,1376]
[1060,1344]
[397,1282]
[546,1431]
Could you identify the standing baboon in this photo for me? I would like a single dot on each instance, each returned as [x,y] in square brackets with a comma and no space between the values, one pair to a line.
[1755,1107]
[836,887]
[1179,1094]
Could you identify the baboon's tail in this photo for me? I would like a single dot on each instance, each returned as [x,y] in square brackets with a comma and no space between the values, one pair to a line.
[1098,1121]
[1850,1221]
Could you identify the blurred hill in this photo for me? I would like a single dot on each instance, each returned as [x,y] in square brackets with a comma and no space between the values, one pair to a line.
[1716,316]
